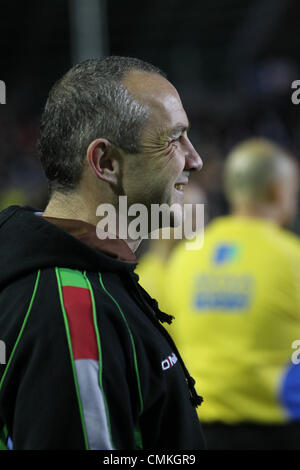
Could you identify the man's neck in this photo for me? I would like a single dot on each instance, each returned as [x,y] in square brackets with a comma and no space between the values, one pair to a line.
[257,212]
[74,206]
[70,206]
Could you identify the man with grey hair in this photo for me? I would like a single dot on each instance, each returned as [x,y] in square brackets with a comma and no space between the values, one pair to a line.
[89,364]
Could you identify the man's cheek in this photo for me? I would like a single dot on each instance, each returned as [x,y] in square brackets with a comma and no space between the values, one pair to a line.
[160,150]
[175,165]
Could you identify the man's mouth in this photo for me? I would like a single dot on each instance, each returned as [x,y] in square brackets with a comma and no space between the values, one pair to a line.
[179,186]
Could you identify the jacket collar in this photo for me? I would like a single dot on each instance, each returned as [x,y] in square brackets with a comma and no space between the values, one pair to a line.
[86,233]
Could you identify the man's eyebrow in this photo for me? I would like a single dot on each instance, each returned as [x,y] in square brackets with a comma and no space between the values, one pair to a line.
[178,129]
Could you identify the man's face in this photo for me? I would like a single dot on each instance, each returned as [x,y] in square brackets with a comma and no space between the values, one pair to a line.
[160,172]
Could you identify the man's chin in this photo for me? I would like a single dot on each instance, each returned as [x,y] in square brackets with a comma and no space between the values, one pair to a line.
[170,214]
[176,216]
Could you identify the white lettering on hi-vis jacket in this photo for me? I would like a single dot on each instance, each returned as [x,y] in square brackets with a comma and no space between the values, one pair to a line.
[169,362]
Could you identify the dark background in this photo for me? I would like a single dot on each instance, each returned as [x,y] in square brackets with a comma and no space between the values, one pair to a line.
[232,62]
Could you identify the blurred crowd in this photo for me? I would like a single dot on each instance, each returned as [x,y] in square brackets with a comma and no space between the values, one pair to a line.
[256,101]
[21,179]
[261,106]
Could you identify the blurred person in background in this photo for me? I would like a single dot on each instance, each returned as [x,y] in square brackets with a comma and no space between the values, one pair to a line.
[236,304]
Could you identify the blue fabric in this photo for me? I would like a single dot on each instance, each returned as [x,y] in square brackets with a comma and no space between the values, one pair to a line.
[290,391]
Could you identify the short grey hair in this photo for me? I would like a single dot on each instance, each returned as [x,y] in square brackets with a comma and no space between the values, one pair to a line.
[88,102]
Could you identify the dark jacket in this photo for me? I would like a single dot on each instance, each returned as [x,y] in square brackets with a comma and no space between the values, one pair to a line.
[88,363]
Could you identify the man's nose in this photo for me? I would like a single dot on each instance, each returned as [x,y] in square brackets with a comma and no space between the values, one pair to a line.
[192,158]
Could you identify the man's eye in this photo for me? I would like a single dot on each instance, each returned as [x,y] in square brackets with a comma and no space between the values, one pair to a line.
[176,139]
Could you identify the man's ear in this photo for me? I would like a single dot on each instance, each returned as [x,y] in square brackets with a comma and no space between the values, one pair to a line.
[103,160]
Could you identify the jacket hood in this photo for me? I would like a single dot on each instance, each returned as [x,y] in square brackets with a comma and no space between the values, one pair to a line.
[29,242]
